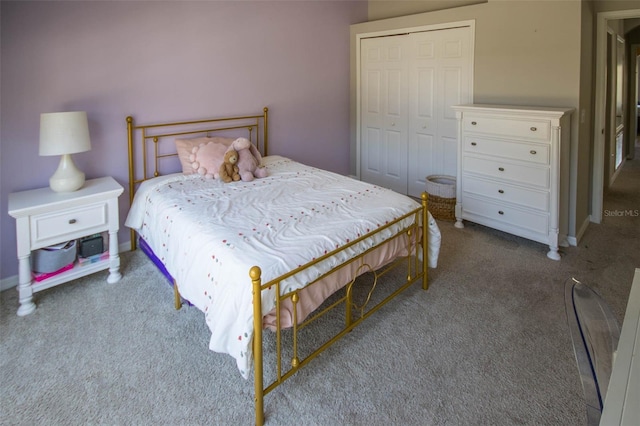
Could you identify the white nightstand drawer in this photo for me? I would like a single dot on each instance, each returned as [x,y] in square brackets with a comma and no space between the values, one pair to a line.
[509,127]
[71,222]
[530,152]
[504,192]
[504,170]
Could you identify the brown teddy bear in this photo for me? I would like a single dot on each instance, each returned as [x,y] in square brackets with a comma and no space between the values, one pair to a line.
[229,168]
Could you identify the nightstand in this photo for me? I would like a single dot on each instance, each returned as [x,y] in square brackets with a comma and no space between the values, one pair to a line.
[44,217]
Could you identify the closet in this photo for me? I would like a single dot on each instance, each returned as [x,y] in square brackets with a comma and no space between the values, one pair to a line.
[407,85]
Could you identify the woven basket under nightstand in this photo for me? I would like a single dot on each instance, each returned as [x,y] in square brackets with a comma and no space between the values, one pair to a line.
[442,196]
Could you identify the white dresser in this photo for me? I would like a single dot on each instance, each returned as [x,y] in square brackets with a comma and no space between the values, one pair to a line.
[513,170]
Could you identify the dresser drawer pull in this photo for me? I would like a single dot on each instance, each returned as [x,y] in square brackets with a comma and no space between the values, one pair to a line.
[500,212]
[533,129]
[501,191]
[533,152]
[72,221]
[473,144]
[501,169]
[473,123]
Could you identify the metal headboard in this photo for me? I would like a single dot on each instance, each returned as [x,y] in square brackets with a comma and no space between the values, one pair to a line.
[140,136]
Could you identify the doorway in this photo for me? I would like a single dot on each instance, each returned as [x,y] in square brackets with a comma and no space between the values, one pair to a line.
[598,173]
[634,123]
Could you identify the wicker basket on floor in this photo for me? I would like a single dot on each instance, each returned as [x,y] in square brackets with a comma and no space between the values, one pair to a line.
[442,196]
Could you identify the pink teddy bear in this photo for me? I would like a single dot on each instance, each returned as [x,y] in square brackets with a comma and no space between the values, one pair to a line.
[249,160]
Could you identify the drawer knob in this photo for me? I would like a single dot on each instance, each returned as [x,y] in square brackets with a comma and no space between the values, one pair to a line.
[500,212]
[72,221]
[533,152]
[533,129]
[501,191]
[501,169]
[473,123]
[473,144]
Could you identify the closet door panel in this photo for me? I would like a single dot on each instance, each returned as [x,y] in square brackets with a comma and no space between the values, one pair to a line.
[384,112]
[373,127]
[422,155]
[445,56]
[422,111]
[408,84]
[452,87]
[422,81]
[395,98]
[372,163]
[452,92]
[422,118]
[372,104]
[422,103]
[450,156]
[395,163]
[455,55]
[452,45]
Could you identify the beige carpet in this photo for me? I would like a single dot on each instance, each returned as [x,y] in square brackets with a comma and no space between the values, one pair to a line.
[486,344]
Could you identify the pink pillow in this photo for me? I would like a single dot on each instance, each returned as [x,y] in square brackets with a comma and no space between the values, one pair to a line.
[185,149]
[207,158]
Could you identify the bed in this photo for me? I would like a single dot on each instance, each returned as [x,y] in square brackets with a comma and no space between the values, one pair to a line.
[264,255]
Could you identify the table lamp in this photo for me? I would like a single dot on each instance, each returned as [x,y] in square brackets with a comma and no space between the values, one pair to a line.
[65,133]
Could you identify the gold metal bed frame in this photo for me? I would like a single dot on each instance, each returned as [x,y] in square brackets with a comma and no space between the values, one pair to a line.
[140,136]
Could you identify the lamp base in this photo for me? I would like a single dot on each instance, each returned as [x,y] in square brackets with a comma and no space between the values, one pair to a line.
[67,177]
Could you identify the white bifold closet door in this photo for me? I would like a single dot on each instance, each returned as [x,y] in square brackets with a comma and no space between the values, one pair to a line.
[408,84]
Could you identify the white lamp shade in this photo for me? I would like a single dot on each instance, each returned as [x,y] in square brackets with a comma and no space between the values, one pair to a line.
[64,133]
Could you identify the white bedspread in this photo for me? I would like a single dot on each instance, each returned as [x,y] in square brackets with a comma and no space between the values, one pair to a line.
[208,234]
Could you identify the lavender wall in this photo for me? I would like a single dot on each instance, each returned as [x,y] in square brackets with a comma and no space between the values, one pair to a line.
[169,60]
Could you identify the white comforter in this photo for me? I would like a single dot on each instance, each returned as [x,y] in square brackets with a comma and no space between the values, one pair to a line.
[208,234]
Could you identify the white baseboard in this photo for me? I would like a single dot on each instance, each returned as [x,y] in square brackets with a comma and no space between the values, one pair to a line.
[9,282]
[572,241]
[575,240]
[12,281]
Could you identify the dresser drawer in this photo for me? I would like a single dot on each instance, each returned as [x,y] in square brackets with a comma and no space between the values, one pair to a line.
[502,192]
[534,153]
[72,222]
[539,130]
[506,171]
[512,216]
